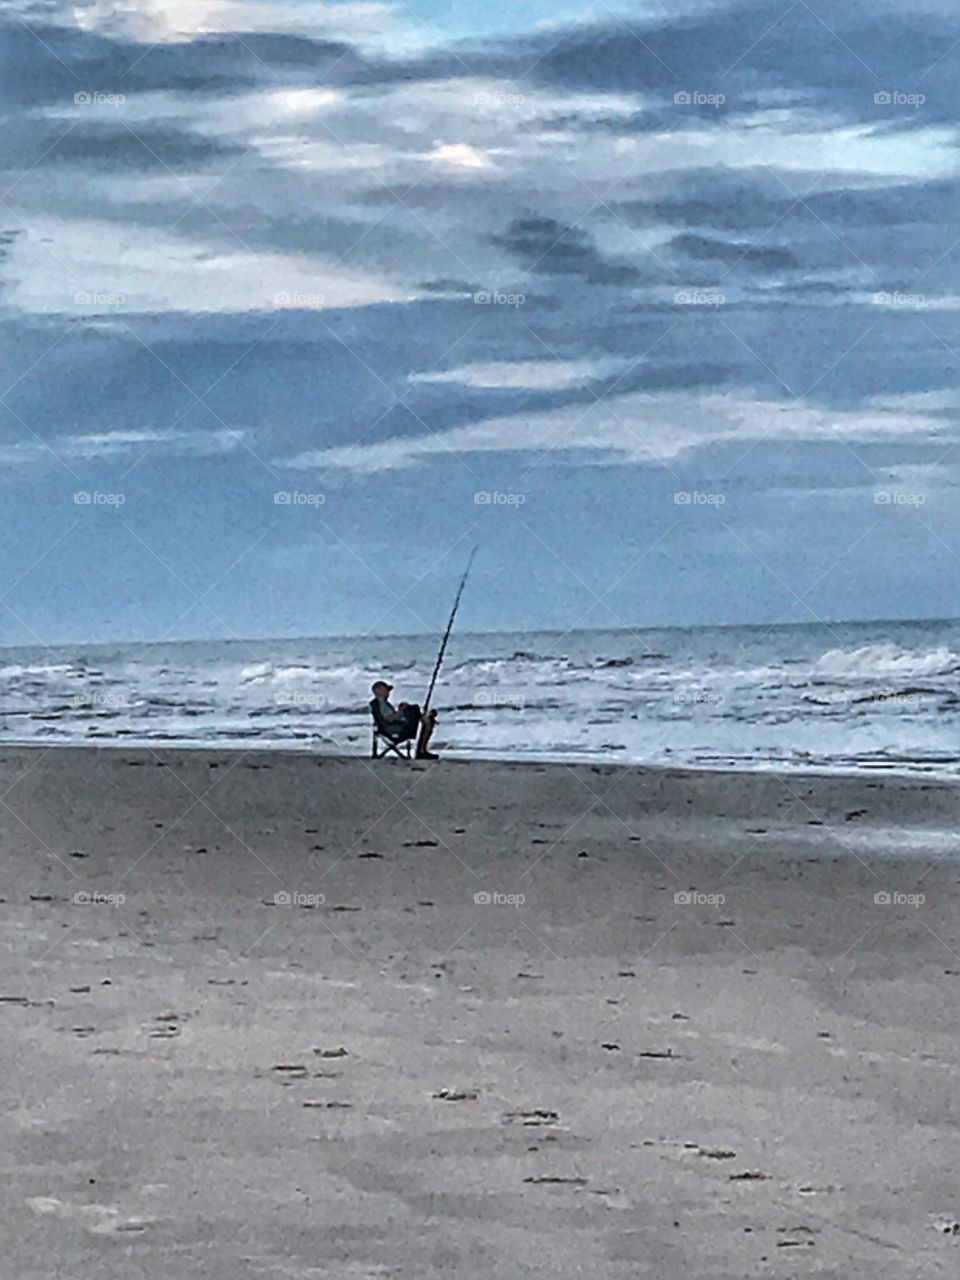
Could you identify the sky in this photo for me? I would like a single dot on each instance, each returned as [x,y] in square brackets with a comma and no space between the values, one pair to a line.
[655,304]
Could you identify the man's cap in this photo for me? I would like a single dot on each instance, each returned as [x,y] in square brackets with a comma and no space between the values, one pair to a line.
[380,684]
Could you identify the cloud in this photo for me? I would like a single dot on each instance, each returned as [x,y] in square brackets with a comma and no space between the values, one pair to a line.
[733,253]
[543,375]
[754,199]
[48,65]
[629,429]
[105,445]
[456,156]
[74,268]
[107,145]
[172,22]
[547,247]
[839,56]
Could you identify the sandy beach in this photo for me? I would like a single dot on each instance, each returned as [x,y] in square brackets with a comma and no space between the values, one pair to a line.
[280,1015]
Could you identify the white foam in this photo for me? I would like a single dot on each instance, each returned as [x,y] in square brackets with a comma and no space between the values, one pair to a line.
[880,660]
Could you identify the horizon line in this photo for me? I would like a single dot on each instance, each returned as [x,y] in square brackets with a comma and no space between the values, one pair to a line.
[545,631]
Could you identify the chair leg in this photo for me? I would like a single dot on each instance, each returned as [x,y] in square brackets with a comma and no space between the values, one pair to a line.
[382,746]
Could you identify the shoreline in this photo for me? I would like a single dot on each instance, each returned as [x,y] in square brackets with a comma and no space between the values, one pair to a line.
[451,757]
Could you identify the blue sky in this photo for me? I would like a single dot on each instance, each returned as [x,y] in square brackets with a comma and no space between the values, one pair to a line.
[298,301]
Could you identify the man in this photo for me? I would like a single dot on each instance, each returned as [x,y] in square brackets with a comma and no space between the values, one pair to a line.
[402,723]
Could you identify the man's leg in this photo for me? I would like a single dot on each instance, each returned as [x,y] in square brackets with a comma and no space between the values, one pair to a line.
[427,725]
[411,719]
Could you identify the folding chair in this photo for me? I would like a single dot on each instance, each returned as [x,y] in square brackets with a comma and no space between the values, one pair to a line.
[383,743]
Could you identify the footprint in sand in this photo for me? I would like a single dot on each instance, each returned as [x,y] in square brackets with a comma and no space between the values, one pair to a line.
[531,1119]
[796,1237]
[99,1219]
[290,1071]
[169,1027]
[551,1180]
[613,1199]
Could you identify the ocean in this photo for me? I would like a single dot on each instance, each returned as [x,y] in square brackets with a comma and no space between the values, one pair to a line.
[851,696]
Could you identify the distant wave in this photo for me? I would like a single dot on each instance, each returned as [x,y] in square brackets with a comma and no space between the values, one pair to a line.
[16,672]
[882,660]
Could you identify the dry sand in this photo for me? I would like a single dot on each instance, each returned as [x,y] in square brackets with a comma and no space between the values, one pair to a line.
[399,1081]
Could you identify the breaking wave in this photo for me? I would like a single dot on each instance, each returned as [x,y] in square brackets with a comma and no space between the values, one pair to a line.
[873,661]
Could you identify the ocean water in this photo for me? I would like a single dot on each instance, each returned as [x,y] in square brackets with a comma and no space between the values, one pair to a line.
[858,696]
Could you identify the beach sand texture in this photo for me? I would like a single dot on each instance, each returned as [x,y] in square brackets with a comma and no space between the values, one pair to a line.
[256,1023]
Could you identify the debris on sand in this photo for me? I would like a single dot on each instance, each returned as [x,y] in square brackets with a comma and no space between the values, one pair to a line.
[552,1180]
[538,1116]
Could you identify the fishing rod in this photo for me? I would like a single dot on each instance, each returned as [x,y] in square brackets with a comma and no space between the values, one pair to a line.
[446,634]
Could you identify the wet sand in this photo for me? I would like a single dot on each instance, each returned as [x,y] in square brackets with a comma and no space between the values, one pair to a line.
[257,1022]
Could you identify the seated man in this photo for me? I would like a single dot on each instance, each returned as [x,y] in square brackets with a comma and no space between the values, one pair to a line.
[402,723]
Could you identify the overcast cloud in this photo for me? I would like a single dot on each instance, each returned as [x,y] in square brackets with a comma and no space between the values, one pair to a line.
[412,259]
